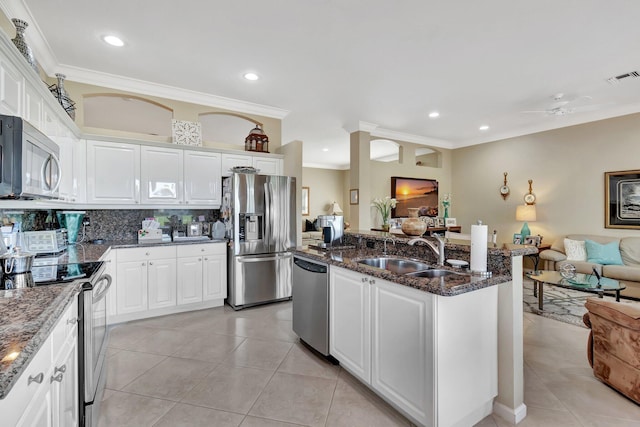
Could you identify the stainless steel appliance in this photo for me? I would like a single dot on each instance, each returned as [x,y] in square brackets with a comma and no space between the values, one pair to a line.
[332,229]
[259,213]
[29,161]
[311,303]
[45,241]
[92,325]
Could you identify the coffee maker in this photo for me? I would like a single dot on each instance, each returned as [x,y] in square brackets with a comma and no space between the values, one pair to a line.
[332,230]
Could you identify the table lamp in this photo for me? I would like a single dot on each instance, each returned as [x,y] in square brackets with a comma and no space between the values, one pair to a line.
[525,213]
[336,209]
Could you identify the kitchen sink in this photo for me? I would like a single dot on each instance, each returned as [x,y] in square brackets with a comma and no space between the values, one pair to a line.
[433,273]
[395,265]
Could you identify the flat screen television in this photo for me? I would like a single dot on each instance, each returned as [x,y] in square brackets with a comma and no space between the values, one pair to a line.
[414,193]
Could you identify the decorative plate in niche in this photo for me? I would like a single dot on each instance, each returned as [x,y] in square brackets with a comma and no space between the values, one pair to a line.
[186,133]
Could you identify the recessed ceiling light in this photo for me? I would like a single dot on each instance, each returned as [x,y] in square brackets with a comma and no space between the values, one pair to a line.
[484,127]
[113,41]
[434,114]
[325,149]
[251,76]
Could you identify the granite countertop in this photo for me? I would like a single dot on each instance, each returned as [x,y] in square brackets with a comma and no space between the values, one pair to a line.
[499,262]
[29,314]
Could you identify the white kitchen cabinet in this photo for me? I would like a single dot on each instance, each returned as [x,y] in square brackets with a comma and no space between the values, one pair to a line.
[113,173]
[417,350]
[33,107]
[51,125]
[231,160]
[162,282]
[402,347]
[350,324]
[202,273]
[46,393]
[161,176]
[11,89]
[202,178]
[268,166]
[145,279]
[64,385]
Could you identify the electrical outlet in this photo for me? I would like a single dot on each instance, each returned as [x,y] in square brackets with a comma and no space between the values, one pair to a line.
[371,244]
[86,221]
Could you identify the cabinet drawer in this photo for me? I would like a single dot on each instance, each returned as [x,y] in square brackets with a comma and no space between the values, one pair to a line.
[143,254]
[205,249]
[67,325]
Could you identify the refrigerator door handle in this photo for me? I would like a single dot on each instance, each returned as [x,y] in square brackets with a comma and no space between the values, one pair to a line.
[261,259]
[268,209]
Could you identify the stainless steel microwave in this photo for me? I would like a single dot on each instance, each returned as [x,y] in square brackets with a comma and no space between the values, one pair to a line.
[29,161]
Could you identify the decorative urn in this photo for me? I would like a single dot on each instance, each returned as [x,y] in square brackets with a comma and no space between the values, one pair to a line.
[413,226]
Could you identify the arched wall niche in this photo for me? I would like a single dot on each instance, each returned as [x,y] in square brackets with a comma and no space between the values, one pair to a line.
[385,150]
[224,128]
[127,113]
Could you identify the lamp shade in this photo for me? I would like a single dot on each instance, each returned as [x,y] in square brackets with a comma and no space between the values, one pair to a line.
[526,213]
[336,209]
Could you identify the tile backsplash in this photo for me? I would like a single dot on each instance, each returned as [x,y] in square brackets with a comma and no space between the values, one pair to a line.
[109,224]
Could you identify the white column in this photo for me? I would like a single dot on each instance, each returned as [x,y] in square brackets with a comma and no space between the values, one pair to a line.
[509,404]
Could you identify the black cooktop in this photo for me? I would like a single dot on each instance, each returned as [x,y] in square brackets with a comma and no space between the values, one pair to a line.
[54,274]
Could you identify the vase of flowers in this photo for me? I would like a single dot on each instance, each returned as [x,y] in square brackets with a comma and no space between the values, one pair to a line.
[384,206]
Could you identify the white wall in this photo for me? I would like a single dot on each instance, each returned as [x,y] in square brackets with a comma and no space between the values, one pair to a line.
[567,167]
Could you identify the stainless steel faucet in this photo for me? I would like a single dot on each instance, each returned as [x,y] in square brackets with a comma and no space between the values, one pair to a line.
[384,242]
[438,250]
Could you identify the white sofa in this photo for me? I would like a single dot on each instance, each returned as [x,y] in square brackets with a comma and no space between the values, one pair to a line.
[628,274]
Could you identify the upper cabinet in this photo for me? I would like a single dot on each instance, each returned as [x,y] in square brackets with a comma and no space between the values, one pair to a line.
[202,178]
[113,173]
[11,89]
[230,161]
[268,166]
[265,165]
[161,175]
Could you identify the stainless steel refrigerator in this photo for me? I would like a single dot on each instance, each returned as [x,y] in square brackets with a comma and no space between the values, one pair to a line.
[259,214]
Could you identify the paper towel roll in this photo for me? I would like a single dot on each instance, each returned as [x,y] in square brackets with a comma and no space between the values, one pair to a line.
[479,235]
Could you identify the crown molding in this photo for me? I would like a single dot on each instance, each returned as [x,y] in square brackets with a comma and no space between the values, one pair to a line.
[128,84]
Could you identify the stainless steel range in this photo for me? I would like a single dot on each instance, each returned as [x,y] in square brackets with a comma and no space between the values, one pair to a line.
[92,324]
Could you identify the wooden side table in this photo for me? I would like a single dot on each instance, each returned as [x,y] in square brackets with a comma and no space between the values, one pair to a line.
[536,257]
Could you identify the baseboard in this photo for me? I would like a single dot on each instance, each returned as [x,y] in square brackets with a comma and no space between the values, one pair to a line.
[514,416]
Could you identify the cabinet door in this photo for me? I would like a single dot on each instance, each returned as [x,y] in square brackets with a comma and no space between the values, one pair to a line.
[64,384]
[161,173]
[33,107]
[231,160]
[214,277]
[113,173]
[39,413]
[402,348]
[202,178]
[190,280]
[66,165]
[350,325]
[11,90]
[131,287]
[162,283]
[267,166]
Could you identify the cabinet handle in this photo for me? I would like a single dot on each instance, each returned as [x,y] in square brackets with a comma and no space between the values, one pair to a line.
[72,321]
[206,259]
[364,280]
[57,378]
[372,281]
[147,253]
[201,249]
[62,369]
[150,263]
[143,264]
[37,379]
[199,259]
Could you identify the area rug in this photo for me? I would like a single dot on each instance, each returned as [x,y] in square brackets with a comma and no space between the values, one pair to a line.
[565,305]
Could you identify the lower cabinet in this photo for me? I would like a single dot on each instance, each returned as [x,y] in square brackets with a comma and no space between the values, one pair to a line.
[46,394]
[434,358]
[153,281]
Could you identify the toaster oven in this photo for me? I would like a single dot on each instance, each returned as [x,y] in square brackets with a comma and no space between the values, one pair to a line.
[44,242]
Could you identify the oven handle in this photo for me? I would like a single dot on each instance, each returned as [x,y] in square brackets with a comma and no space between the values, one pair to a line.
[104,289]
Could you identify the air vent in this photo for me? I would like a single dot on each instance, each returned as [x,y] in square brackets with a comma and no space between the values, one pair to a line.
[618,79]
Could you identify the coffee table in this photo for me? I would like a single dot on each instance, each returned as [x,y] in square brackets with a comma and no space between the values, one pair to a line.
[581,282]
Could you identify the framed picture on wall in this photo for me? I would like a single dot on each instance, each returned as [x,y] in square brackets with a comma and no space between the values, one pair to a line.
[622,199]
[305,201]
[353,196]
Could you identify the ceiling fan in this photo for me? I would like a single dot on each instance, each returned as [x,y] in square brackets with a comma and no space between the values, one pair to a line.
[563,106]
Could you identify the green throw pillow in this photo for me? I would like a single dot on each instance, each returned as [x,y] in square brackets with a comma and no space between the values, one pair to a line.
[608,254]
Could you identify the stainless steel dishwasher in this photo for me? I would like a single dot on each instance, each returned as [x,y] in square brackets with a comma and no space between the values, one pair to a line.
[310,295]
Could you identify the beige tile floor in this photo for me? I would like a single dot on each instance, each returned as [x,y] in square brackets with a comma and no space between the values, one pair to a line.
[222,368]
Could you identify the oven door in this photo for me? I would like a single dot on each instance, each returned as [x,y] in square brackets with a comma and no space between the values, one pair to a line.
[95,334]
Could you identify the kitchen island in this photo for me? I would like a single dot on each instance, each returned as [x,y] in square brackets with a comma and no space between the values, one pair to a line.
[431,347]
